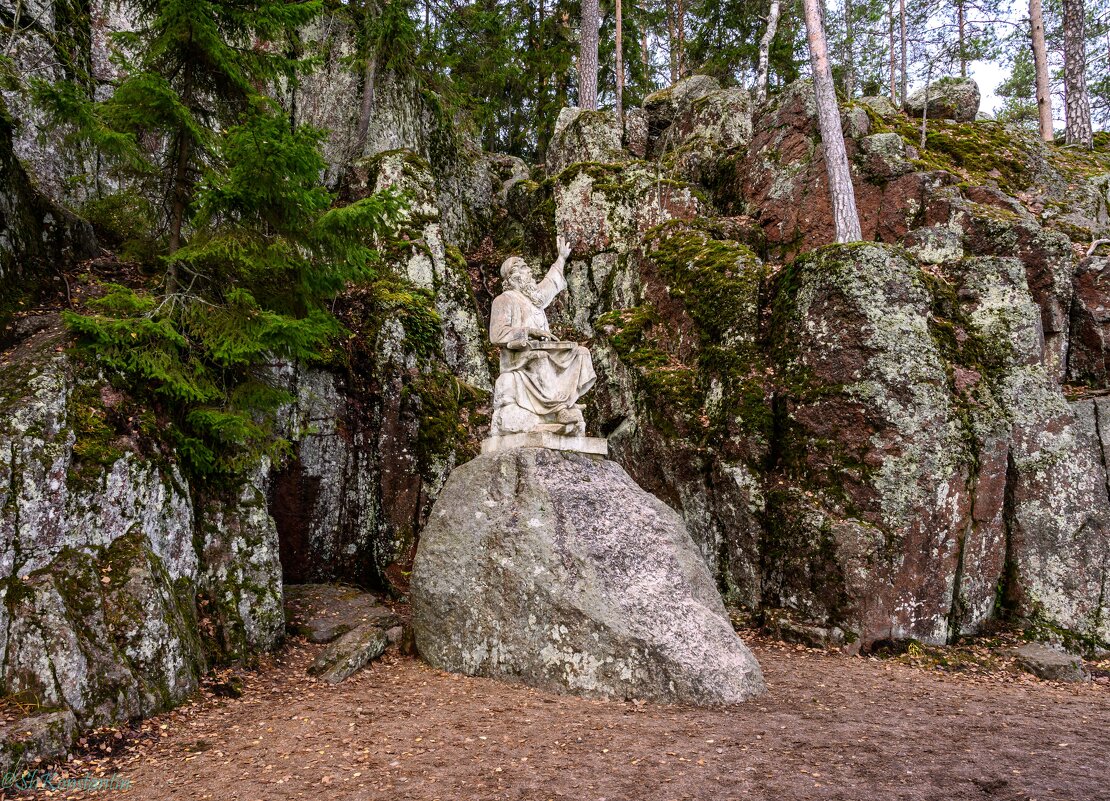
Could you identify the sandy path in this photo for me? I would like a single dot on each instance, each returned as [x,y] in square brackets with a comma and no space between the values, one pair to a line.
[831,727]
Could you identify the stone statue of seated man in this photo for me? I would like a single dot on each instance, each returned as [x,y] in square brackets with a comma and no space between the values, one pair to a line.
[541,378]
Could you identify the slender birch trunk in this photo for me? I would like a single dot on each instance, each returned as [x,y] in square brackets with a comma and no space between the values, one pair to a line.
[841,192]
[1040,67]
[763,73]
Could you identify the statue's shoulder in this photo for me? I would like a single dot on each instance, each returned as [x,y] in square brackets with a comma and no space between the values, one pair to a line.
[510,296]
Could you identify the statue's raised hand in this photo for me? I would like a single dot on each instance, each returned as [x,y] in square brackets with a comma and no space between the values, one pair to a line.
[563,248]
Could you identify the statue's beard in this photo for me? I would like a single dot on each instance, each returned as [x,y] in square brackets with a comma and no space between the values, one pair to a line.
[528,287]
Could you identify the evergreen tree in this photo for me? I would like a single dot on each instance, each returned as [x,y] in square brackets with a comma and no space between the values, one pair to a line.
[199,63]
[268,252]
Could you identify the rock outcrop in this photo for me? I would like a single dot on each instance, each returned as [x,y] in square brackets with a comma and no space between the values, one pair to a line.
[947,99]
[118,586]
[883,459]
[555,569]
[37,236]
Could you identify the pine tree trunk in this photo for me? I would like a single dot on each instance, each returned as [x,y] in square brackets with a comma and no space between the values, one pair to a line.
[841,192]
[1077,104]
[672,42]
[1040,66]
[680,29]
[587,57]
[893,69]
[763,73]
[961,16]
[902,34]
[619,68]
[369,81]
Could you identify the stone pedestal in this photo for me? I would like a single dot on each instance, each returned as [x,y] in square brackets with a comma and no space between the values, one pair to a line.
[598,446]
[553,568]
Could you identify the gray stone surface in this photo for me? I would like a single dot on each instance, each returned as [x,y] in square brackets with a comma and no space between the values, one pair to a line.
[582,135]
[350,653]
[949,99]
[545,439]
[555,569]
[881,105]
[118,581]
[1050,663]
[36,738]
[322,613]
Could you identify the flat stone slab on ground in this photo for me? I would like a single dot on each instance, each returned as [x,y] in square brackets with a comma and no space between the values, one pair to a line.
[1049,663]
[323,612]
[598,446]
[351,652]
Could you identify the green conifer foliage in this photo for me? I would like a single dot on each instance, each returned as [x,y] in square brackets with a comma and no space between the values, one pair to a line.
[269,251]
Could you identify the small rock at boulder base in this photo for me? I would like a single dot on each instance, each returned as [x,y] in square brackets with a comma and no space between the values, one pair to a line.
[321,613]
[1049,663]
[37,738]
[556,570]
[949,99]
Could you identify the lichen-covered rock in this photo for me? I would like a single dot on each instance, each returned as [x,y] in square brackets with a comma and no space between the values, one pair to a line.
[1089,337]
[881,105]
[556,570]
[1049,663]
[35,738]
[429,264]
[783,180]
[704,133]
[602,208]
[636,132]
[35,233]
[323,612]
[665,106]
[239,581]
[948,99]
[117,591]
[872,531]
[402,117]
[349,653]
[583,135]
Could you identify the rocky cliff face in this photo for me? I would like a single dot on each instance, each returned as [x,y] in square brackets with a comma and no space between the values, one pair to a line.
[875,437]
[36,234]
[900,438]
[120,585]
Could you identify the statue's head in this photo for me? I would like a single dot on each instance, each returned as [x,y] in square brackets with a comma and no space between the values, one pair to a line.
[515,273]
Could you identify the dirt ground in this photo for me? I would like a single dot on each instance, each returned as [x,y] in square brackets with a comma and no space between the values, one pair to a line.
[830,727]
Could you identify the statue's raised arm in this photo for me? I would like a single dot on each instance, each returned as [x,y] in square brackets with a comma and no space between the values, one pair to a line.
[541,378]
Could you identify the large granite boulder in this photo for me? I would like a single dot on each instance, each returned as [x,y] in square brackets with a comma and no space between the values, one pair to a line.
[948,99]
[557,570]
[584,135]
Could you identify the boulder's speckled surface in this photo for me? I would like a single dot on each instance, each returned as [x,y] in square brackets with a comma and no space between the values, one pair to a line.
[949,98]
[557,570]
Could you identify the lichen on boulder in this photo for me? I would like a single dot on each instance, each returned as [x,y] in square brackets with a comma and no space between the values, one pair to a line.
[556,570]
[948,99]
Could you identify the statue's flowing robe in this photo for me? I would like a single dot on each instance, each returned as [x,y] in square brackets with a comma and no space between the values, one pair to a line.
[541,381]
